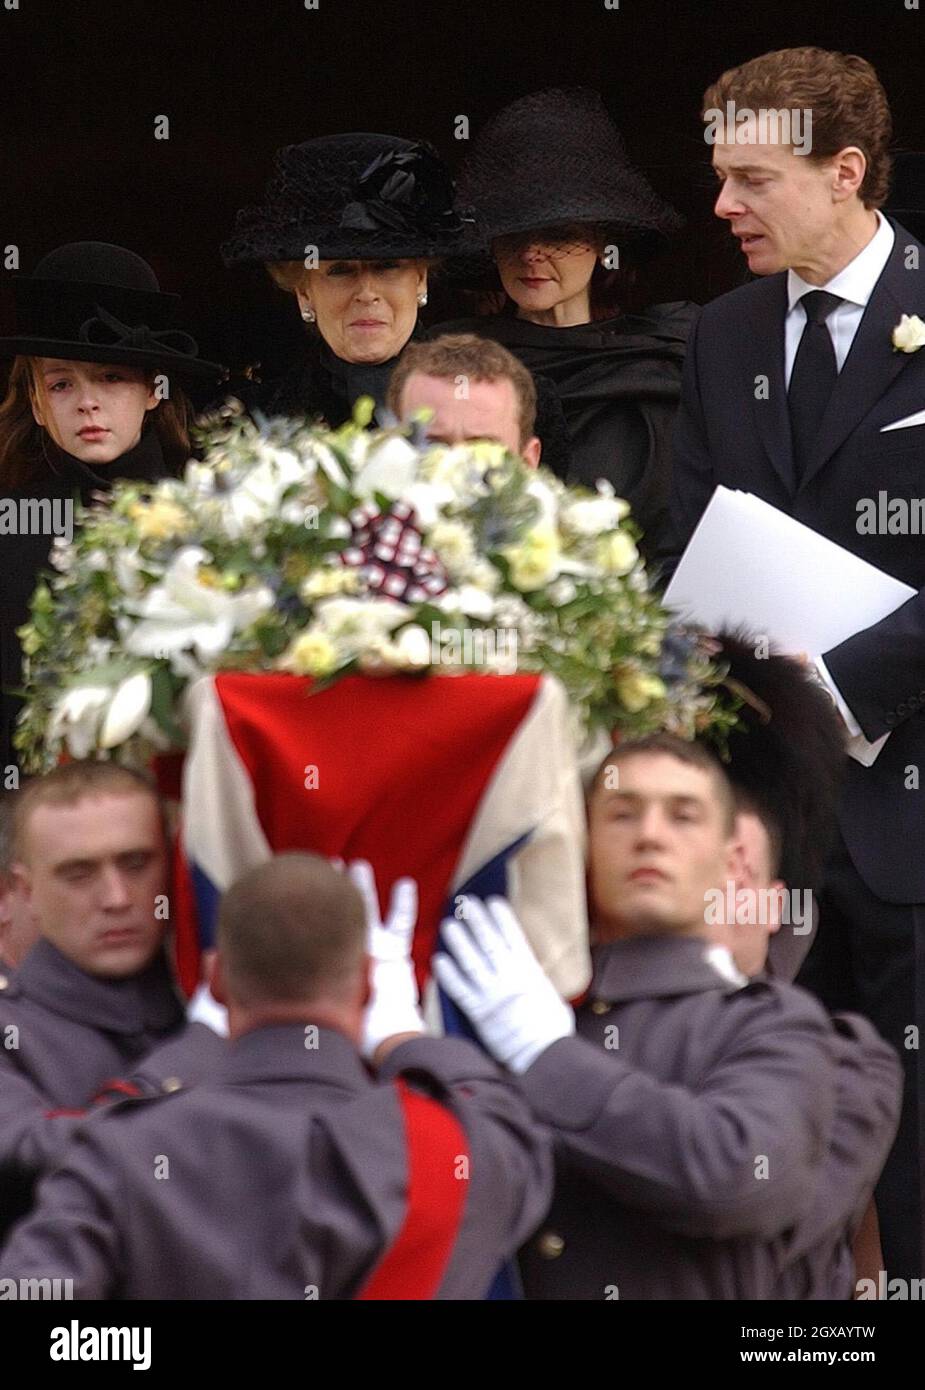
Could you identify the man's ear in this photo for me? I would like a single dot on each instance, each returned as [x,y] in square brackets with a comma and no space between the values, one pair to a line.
[531,452]
[366,975]
[214,976]
[21,879]
[850,168]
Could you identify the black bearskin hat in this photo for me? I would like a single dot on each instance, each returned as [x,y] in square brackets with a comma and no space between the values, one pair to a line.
[788,758]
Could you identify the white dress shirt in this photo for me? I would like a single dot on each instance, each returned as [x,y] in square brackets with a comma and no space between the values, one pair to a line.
[854,285]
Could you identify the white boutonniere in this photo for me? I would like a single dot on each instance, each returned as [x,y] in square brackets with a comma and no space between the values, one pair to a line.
[909,334]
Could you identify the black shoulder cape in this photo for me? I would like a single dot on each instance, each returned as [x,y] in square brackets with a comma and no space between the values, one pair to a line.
[619,382]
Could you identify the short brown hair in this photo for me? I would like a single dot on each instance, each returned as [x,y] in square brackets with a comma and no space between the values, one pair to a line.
[468,355]
[843,92]
[73,782]
[685,751]
[289,930]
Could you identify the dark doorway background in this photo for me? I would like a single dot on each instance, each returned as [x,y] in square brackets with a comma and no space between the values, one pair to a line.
[84,81]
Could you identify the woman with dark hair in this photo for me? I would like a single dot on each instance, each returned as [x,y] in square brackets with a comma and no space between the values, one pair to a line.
[90,398]
[564,214]
[351,225]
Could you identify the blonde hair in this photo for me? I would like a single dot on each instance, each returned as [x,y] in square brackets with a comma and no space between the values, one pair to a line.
[292,276]
[70,783]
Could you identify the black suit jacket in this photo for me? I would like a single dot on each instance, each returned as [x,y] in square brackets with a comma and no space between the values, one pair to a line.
[734,429]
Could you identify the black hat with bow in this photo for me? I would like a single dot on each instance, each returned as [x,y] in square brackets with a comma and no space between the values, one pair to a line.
[554,158]
[89,301]
[354,196]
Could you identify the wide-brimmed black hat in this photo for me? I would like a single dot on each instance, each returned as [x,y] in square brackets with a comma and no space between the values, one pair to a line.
[89,301]
[907,198]
[355,196]
[553,158]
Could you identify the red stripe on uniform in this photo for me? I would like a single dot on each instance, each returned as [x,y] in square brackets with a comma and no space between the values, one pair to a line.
[413,1267]
[116,1087]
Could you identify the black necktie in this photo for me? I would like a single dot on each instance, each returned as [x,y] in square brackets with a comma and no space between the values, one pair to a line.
[814,372]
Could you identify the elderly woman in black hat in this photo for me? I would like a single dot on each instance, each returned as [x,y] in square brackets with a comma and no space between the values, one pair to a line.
[564,214]
[92,396]
[350,226]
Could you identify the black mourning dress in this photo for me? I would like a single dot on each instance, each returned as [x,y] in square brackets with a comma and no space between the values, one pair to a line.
[619,383]
[60,477]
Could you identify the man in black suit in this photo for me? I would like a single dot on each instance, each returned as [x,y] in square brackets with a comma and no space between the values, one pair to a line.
[797,390]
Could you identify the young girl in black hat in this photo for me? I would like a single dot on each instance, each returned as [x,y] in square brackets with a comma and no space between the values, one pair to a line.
[91,398]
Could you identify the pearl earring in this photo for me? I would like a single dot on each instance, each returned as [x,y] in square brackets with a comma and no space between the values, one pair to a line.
[422,300]
[308,315]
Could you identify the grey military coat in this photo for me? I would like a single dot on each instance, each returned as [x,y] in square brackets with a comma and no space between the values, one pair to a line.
[63,1035]
[692,1120]
[285,1178]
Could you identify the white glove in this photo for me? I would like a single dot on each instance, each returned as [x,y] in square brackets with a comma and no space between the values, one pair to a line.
[393,1005]
[497,981]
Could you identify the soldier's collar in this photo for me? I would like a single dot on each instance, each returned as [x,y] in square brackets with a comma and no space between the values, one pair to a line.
[295,1052]
[144,1003]
[652,967]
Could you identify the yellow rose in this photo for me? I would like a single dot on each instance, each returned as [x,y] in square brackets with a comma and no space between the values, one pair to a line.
[312,653]
[159,520]
[636,689]
[325,582]
[616,553]
[535,561]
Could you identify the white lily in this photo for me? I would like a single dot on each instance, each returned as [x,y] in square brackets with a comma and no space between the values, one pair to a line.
[182,612]
[428,499]
[542,493]
[256,498]
[356,624]
[390,468]
[76,717]
[327,462]
[591,516]
[475,603]
[128,709]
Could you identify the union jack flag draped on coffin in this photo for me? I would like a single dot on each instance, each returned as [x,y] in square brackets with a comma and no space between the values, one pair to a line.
[466,783]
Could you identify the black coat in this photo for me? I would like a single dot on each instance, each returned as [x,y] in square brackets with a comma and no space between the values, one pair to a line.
[730,435]
[323,386]
[60,479]
[619,384]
